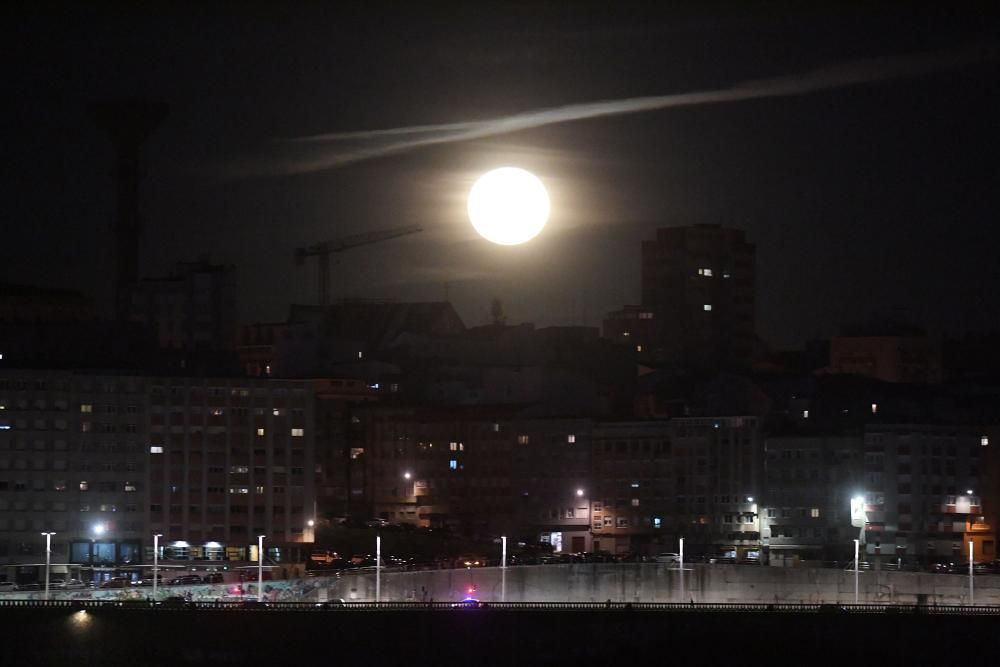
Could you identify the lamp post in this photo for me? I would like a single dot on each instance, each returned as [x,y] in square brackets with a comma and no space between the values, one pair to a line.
[156,562]
[503,568]
[681,560]
[856,543]
[378,568]
[48,560]
[260,568]
[972,597]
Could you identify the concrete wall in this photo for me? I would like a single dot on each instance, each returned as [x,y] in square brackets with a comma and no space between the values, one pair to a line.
[649,582]
[624,582]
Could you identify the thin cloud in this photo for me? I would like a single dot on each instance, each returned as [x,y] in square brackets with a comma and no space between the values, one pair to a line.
[330,151]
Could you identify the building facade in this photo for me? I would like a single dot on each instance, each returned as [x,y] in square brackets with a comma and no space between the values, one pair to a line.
[697,306]
[73,461]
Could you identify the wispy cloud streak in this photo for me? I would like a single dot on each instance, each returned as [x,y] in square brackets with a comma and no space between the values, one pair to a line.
[330,151]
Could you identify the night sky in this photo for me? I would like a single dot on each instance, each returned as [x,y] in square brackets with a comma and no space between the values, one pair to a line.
[871,199]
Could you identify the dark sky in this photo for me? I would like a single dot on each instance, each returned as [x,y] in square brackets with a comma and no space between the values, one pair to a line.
[879,198]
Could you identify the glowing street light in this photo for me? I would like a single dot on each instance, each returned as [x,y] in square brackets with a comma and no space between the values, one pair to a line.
[407,475]
[260,568]
[856,543]
[156,562]
[579,492]
[378,568]
[48,560]
[311,523]
[99,529]
[972,593]
[503,568]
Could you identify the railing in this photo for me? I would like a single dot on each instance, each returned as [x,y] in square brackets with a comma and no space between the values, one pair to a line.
[251,605]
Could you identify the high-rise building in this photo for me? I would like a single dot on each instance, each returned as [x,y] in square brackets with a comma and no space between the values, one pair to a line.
[697,306]
[192,309]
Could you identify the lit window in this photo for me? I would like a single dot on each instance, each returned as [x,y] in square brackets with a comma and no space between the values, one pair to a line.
[705,272]
[453,464]
[645,315]
[239,490]
[359,354]
[625,333]
[84,486]
[635,502]
[638,348]
[218,412]
[239,470]
[657,522]
[984,440]
[298,432]
[155,449]
[522,439]
[814,512]
[130,487]
[726,274]
[85,427]
[453,446]
[570,438]
[259,490]
[86,407]
[635,485]
[805,414]
[496,428]
[707,307]
[874,408]
[260,432]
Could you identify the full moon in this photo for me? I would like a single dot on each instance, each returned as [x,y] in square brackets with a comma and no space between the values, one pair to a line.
[508,206]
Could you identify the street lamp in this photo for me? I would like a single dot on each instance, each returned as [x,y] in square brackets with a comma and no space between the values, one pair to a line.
[503,568]
[260,568]
[48,560]
[311,523]
[579,492]
[972,597]
[99,529]
[156,562]
[378,568]
[407,475]
[680,564]
[856,543]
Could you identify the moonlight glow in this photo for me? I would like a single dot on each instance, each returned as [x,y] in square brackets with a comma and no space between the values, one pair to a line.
[508,206]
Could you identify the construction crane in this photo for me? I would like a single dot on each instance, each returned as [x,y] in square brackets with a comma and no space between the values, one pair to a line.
[322,252]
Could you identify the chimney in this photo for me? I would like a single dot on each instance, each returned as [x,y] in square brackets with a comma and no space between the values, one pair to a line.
[128,123]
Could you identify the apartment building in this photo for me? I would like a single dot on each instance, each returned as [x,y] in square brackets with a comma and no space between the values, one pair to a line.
[231,459]
[73,461]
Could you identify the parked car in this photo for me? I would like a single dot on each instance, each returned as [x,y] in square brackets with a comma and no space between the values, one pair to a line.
[117,582]
[471,560]
[469,603]
[212,578]
[185,580]
[67,584]
[668,557]
[377,523]
[7,587]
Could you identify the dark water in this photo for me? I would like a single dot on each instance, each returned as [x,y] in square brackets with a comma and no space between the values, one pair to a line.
[486,637]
